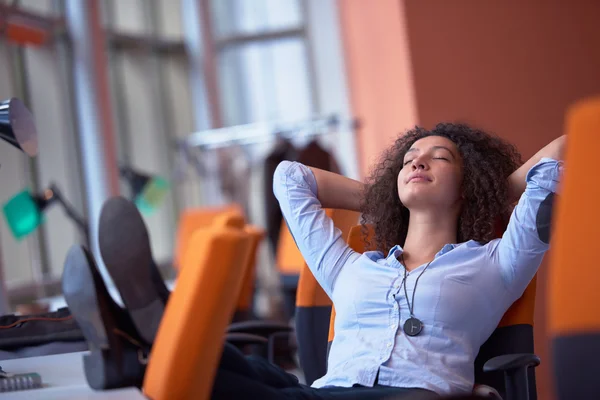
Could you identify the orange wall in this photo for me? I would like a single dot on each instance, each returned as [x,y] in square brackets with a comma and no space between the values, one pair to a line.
[508,67]
[379,73]
[511,67]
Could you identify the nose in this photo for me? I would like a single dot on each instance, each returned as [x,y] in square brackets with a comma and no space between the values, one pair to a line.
[419,163]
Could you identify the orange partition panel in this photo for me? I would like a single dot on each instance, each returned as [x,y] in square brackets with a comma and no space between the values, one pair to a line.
[574,277]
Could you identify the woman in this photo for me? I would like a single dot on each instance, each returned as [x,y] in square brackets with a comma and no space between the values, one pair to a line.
[411,316]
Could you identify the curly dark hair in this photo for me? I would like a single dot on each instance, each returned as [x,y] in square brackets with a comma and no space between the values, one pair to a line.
[487,162]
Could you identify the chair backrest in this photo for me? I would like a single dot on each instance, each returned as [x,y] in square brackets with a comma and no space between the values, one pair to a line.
[243,309]
[514,334]
[190,337]
[313,308]
[232,218]
[195,218]
[574,298]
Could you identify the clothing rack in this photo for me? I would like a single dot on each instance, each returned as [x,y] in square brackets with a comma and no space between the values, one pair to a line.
[266,131]
[188,149]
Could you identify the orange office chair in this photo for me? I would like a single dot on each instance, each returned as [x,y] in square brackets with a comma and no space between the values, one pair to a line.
[188,344]
[230,215]
[244,306]
[574,319]
[194,218]
[232,218]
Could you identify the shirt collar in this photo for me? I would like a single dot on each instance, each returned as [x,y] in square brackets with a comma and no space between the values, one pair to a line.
[397,250]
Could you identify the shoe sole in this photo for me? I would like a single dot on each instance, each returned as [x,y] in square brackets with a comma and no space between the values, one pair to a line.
[125,249]
[109,364]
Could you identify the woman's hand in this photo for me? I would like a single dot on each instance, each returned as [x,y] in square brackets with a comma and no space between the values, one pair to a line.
[517,180]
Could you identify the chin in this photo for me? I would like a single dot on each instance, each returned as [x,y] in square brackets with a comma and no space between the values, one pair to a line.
[416,193]
[422,199]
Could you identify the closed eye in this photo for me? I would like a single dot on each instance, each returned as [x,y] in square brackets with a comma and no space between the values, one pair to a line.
[407,162]
[440,158]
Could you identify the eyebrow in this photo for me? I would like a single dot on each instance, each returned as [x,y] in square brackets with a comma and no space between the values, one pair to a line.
[434,148]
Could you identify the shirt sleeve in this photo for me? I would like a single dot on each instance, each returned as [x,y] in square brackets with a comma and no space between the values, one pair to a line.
[521,249]
[320,242]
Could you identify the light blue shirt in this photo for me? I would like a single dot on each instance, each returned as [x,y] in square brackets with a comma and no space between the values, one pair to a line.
[460,299]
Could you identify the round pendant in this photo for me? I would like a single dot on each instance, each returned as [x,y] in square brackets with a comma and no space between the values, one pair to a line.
[413,326]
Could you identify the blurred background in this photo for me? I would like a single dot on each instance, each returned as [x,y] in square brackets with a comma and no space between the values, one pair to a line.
[143,85]
[162,72]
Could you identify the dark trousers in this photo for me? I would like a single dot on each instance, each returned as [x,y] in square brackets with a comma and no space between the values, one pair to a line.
[241,377]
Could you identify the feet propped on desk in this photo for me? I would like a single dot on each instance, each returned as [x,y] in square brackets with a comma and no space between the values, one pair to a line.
[117,354]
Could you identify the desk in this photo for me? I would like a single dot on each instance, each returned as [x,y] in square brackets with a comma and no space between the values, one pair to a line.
[63,379]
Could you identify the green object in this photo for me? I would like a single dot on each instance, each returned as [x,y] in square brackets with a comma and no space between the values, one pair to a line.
[22,214]
[152,195]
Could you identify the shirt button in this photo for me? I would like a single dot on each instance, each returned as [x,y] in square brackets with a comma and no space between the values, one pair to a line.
[389,344]
[393,326]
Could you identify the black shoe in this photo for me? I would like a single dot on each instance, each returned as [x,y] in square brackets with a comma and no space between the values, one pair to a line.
[159,283]
[125,248]
[117,354]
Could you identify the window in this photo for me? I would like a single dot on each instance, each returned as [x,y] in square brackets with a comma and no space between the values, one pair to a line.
[250,17]
[263,61]
[280,60]
[149,79]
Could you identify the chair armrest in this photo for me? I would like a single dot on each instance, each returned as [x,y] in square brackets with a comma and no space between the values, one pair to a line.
[245,338]
[515,368]
[266,329]
[261,328]
[509,362]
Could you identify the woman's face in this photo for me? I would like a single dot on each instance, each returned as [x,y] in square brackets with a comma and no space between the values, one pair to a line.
[431,175]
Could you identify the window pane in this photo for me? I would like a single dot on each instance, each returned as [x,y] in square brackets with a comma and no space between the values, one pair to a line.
[16,257]
[170,24]
[233,17]
[128,16]
[44,7]
[178,96]
[142,128]
[57,162]
[265,81]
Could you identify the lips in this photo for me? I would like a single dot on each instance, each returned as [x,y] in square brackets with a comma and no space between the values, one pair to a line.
[418,178]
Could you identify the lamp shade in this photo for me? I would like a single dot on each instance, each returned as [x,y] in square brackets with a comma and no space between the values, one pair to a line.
[24,211]
[17,126]
[23,214]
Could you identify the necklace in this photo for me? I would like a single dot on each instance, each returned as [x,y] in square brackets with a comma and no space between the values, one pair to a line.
[413,326]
